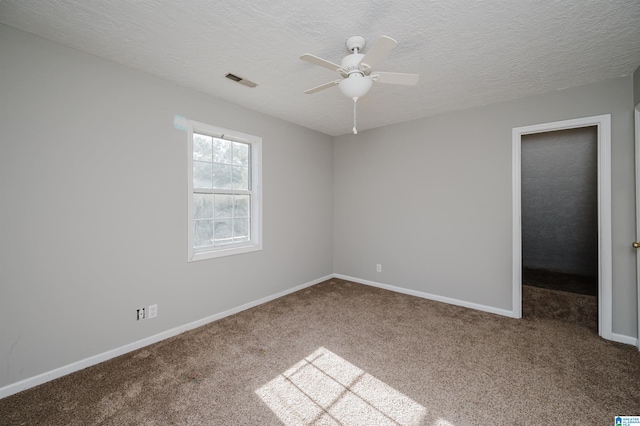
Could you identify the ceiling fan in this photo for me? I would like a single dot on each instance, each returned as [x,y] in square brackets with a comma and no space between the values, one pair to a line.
[355,70]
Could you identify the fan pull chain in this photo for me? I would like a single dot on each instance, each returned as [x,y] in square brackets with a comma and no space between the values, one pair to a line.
[355,101]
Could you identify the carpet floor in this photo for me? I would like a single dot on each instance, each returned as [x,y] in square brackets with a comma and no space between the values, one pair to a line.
[544,303]
[345,353]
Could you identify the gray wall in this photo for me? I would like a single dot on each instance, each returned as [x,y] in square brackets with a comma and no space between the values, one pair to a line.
[560,201]
[431,200]
[93,192]
[94,207]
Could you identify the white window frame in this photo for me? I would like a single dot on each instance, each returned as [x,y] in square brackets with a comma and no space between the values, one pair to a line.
[255,191]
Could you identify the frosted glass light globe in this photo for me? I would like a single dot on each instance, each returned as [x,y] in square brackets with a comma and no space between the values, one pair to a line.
[355,86]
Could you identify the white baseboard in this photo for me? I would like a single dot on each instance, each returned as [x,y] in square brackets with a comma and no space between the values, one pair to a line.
[621,338]
[430,296]
[96,359]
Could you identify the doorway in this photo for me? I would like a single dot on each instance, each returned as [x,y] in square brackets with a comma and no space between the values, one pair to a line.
[559,199]
[599,265]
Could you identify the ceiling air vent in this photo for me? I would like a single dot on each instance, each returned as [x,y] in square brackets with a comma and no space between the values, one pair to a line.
[240,80]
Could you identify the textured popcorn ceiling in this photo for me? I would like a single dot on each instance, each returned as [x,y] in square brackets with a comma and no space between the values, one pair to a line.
[467,52]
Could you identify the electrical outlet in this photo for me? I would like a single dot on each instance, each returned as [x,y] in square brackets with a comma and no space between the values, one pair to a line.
[140,313]
[379,267]
[153,311]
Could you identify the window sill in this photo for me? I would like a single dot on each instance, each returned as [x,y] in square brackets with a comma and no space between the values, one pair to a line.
[231,251]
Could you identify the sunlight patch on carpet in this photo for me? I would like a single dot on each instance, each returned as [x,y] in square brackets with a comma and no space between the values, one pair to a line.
[324,388]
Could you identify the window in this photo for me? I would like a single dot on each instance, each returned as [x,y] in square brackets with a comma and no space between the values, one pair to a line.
[224,192]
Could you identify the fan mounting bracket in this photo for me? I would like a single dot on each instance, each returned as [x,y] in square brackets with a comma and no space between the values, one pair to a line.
[355,42]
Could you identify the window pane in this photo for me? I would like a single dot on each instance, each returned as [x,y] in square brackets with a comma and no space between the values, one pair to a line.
[224,217]
[240,230]
[221,151]
[202,147]
[241,206]
[223,232]
[201,174]
[223,206]
[203,206]
[221,176]
[240,178]
[240,154]
[202,233]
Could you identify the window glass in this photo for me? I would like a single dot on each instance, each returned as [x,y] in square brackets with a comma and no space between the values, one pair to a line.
[224,208]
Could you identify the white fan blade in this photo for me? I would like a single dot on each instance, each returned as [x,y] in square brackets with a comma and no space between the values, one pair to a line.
[379,51]
[319,61]
[396,78]
[322,87]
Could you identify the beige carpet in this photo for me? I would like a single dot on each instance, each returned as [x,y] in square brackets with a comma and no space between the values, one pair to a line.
[542,303]
[345,353]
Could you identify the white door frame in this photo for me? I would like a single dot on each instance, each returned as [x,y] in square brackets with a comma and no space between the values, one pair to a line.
[637,146]
[605,299]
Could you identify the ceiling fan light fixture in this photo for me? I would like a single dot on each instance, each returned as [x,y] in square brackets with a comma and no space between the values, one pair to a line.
[355,70]
[356,86]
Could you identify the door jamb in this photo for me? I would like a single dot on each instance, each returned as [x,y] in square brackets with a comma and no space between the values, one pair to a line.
[605,298]
[637,165]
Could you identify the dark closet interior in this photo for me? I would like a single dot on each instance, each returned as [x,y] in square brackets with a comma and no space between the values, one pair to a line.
[560,224]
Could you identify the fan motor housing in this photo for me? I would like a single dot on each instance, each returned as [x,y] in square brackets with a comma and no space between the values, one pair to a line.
[351,62]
